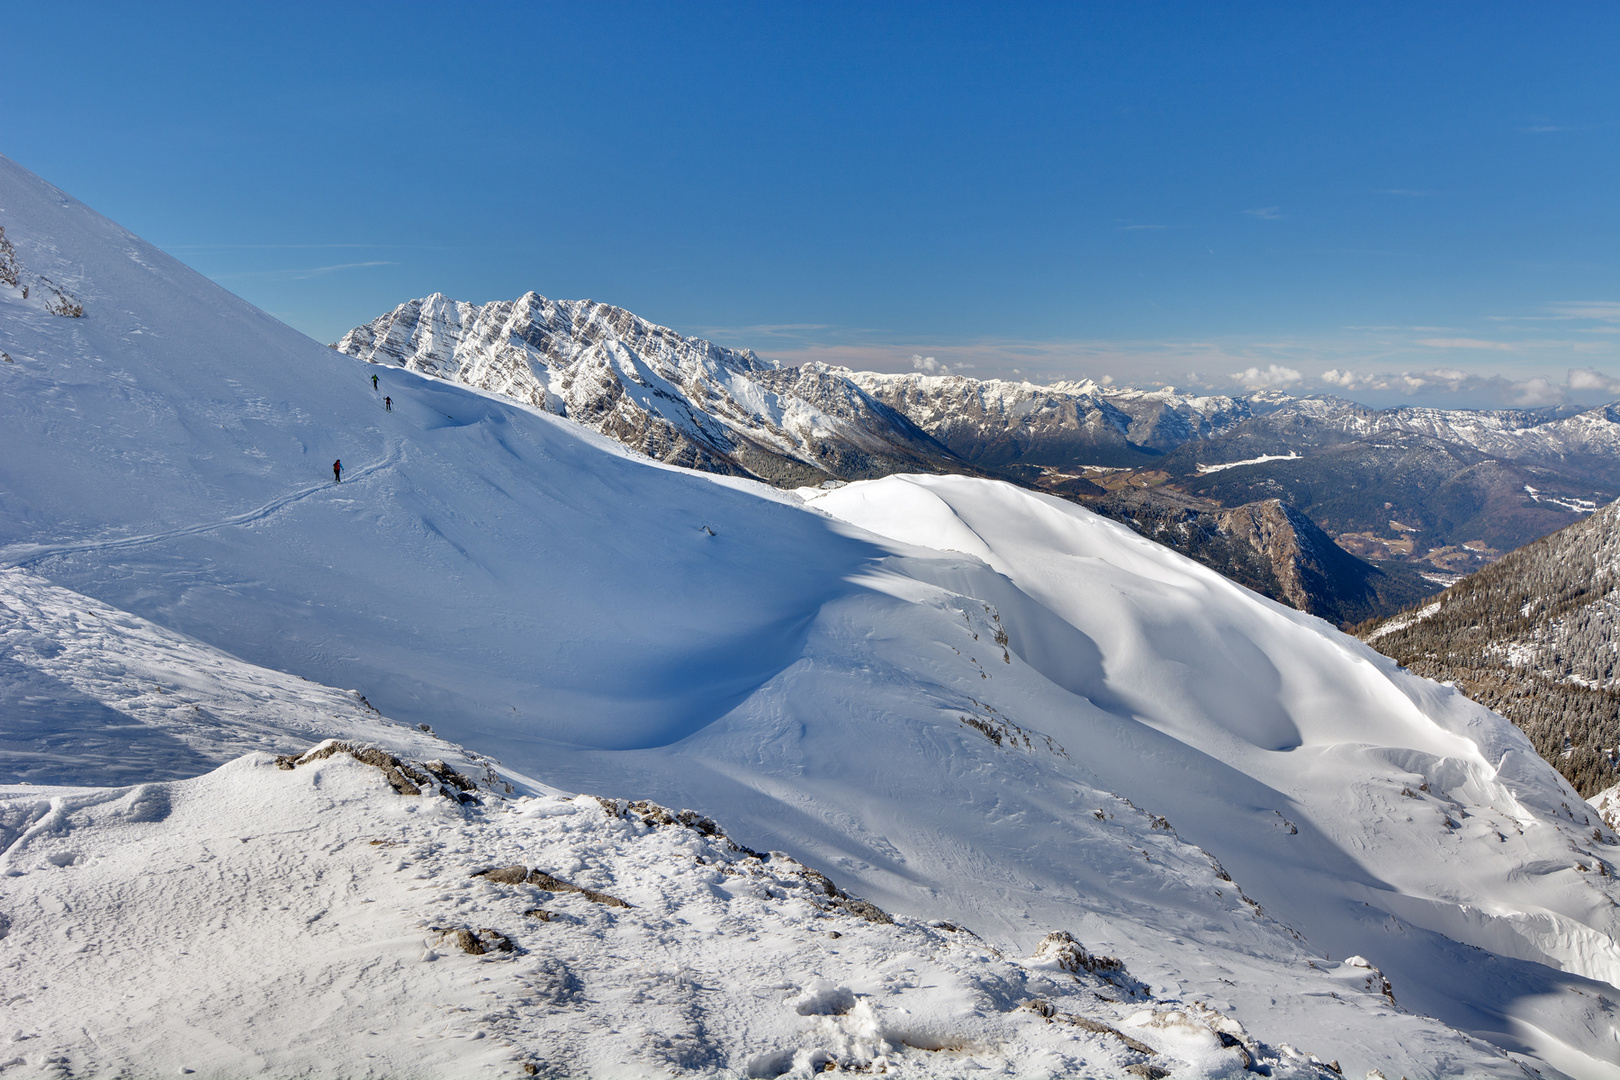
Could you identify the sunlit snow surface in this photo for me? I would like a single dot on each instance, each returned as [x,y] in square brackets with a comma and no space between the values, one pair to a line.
[940,691]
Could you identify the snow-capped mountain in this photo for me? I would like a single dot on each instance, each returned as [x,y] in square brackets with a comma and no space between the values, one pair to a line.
[997,423]
[1537,637]
[680,400]
[957,699]
[1515,434]
[694,403]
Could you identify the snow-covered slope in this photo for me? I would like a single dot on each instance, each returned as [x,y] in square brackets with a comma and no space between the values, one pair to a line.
[942,692]
[312,920]
[680,400]
[336,916]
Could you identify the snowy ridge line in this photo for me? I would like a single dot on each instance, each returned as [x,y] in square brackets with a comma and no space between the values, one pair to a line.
[18,555]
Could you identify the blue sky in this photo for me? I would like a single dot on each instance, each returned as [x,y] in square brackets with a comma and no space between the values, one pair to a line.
[1399,202]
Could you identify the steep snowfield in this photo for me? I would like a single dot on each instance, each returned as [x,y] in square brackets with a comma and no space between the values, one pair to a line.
[941,692]
[92,695]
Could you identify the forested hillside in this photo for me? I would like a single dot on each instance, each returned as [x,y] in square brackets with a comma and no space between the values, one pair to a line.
[1533,637]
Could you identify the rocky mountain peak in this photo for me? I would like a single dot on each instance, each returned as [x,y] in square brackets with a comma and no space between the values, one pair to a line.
[682,400]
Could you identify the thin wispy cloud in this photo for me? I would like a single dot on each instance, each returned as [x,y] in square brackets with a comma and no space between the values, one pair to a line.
[1405,193]
[1467,343]
[1548,127]
[317,271]
[758,330]
[1602,310]
[273,247]
[1266,213]
[1136,228]
[302,273]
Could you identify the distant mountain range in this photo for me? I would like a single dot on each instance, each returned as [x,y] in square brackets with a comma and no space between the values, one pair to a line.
[1535,636]
[1340,510]
[1446,491]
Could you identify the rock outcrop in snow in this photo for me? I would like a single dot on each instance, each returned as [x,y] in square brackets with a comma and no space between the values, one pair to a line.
[50,296]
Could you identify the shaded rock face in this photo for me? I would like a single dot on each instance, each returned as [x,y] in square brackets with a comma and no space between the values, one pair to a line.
[680,400]
[1313,573]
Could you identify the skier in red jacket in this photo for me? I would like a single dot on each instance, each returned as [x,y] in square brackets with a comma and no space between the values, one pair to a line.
[337,471]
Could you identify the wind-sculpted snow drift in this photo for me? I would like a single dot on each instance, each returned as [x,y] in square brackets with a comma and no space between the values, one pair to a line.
[958,699]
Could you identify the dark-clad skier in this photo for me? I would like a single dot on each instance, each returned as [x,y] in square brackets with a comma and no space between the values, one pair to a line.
[337,471]
[374,380]
[388,403]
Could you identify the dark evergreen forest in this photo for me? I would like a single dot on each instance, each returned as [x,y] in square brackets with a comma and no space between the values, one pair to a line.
[1532,636]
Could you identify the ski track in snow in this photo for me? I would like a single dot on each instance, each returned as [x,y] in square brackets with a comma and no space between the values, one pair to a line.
[18,555]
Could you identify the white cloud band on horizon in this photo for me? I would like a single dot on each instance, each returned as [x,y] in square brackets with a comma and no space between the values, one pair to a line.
[1272,377]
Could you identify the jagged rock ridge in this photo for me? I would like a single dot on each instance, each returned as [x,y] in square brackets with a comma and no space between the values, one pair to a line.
[998,423]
